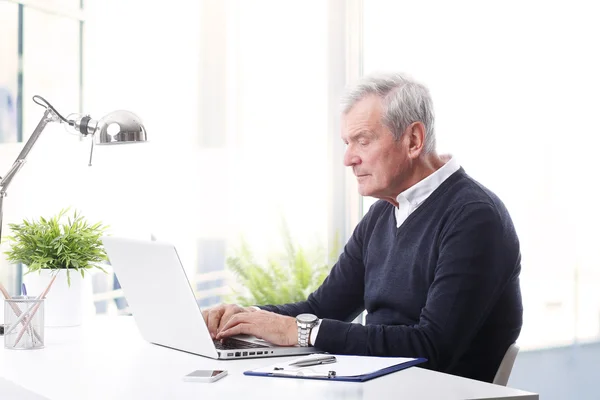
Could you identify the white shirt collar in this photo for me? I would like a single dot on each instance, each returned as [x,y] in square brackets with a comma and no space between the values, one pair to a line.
[414,196]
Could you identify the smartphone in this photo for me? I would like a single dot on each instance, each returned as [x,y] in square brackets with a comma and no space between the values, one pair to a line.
[205,375]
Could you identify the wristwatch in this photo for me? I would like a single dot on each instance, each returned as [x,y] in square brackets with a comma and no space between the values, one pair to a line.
[305,322]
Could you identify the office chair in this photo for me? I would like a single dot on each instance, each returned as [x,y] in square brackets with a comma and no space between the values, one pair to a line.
[506,365]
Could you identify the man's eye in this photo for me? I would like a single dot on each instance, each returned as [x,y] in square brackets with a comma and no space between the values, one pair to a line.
[363,143]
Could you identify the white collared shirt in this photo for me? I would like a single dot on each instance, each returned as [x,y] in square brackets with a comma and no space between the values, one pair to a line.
[414,196]
[409,201]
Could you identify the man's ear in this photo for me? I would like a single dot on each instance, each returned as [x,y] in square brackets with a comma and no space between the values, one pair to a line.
[415,137]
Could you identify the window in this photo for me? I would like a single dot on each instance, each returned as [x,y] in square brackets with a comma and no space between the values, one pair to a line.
[515,94]
[51,64]
[235,98]
[40,53]
[9,54]
[240,110]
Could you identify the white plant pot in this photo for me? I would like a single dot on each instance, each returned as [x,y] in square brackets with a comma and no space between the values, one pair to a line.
[64,305]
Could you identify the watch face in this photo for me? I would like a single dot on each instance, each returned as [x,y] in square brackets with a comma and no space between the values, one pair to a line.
[306,318]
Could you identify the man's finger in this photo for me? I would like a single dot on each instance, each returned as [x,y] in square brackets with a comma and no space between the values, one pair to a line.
[227,316]
[224,319]
[214,318]
[236,319]
[239,329]
[232,321]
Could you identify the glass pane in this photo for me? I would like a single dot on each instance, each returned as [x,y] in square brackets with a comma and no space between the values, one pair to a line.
[508,83]
[64,4]
[263,155]
[267,126]
[9,41]
[280,162]
[9,22]
[51,65]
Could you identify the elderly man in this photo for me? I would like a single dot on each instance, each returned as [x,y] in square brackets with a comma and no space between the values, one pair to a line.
[435,262]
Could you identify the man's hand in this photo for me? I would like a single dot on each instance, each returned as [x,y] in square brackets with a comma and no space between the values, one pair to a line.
[278,329]
[216,317]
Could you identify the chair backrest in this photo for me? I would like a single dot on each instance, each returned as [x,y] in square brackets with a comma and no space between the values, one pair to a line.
[506,365]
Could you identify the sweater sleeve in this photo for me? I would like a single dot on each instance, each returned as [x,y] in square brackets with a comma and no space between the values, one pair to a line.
[341,296]
[477,258]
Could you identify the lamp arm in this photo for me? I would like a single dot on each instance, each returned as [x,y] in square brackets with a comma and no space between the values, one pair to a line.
[49,116]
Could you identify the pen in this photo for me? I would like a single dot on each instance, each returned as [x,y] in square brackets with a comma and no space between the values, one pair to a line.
[23,290]
[314,361]
[7,329]
[16,310]
[300,374]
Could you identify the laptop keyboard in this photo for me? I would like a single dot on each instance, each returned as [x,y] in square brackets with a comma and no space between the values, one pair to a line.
[233,344]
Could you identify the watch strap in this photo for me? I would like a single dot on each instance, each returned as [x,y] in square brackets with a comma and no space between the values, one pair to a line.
[304,330]
[303,335]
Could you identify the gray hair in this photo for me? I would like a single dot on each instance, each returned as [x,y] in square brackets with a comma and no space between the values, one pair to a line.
[404,100]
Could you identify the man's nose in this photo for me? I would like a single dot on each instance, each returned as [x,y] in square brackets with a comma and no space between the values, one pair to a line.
[350,159]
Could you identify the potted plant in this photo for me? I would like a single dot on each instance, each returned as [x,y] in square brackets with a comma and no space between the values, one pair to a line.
[285,278]
[54,246]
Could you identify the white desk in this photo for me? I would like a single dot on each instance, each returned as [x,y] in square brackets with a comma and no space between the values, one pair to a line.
[107,359]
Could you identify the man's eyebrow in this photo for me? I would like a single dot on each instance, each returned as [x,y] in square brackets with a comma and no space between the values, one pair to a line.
[361,134]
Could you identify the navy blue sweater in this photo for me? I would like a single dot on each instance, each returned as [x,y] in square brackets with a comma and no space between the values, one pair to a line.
[444,286]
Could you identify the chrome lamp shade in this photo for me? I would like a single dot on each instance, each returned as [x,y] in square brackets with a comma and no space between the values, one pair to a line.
[120,127]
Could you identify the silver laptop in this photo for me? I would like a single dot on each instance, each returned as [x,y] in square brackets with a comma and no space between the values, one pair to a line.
[164,306]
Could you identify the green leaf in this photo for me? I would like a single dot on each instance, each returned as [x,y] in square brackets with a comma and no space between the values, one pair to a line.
[284,278]
[48,243]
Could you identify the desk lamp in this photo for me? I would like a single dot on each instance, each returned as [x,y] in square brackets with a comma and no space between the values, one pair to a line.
[118,127]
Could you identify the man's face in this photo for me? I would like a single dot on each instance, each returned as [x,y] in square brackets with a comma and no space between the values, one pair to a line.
[379,162]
